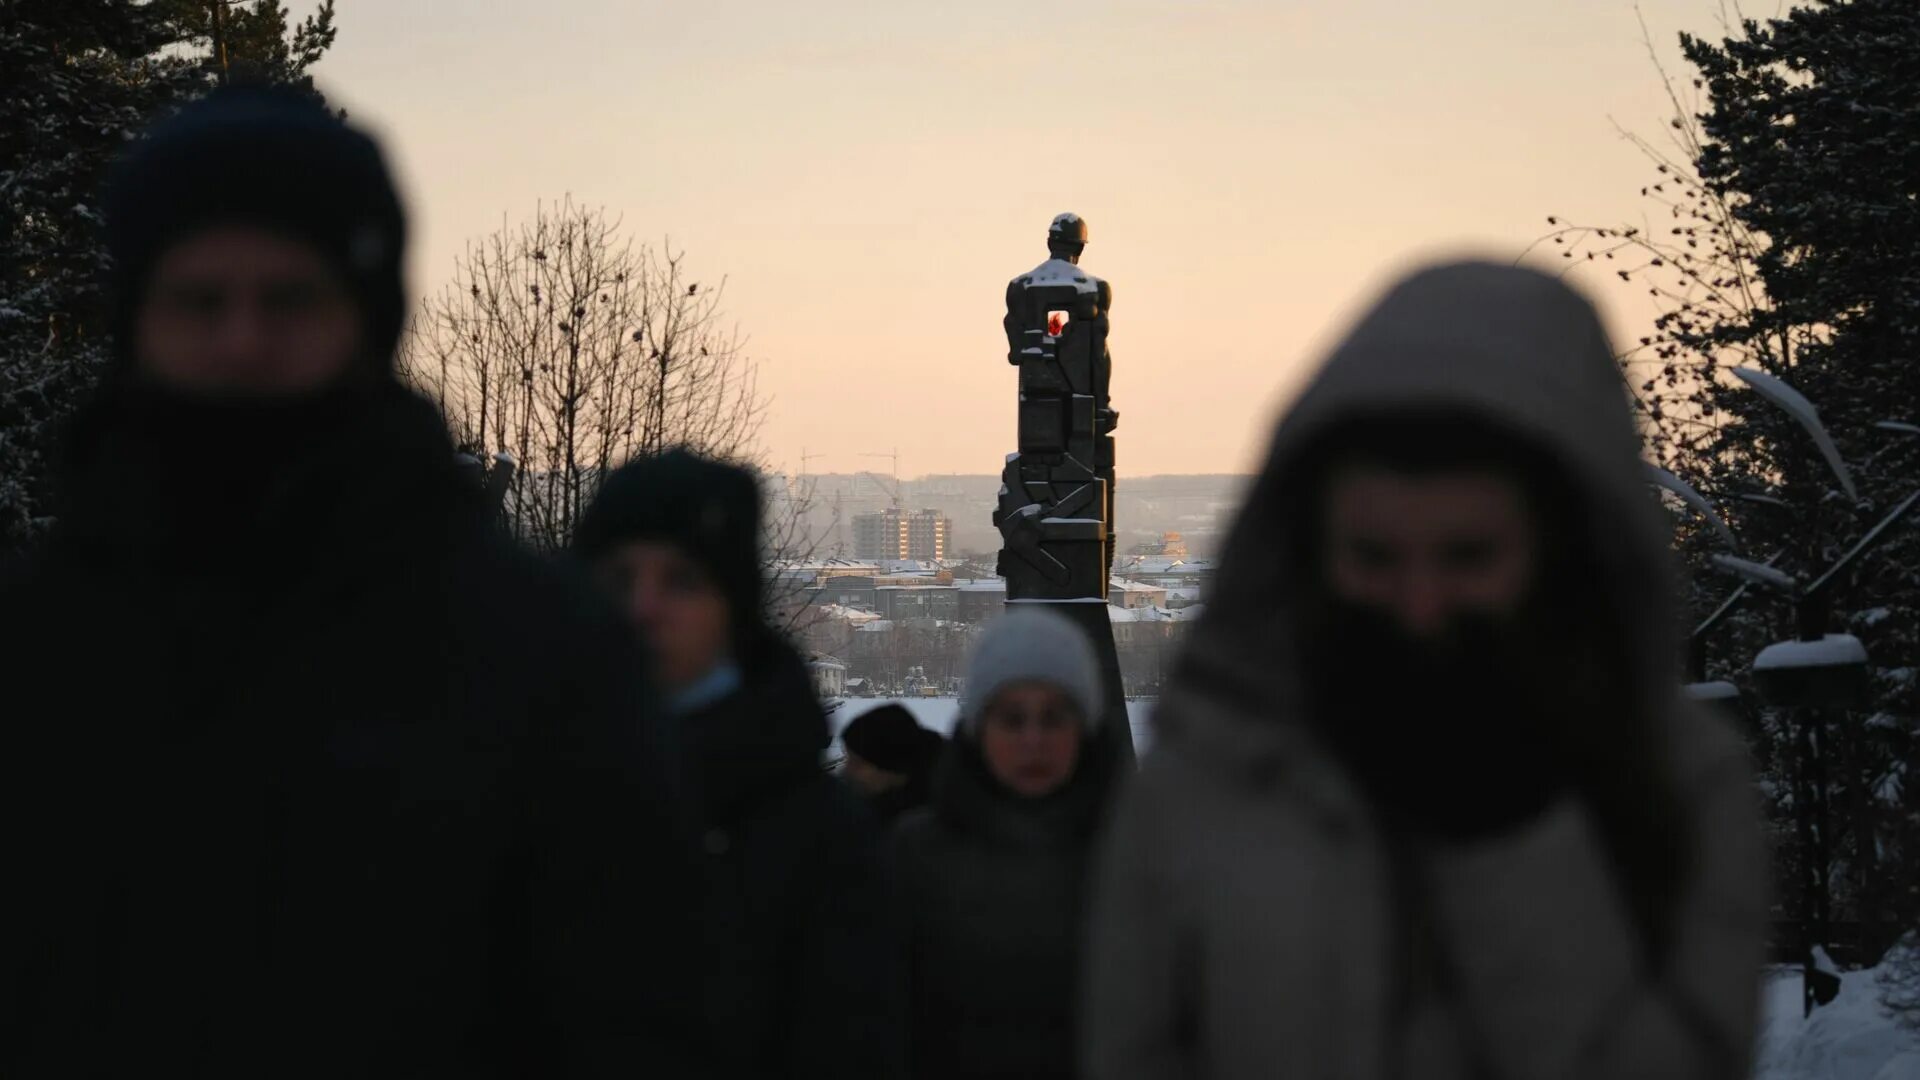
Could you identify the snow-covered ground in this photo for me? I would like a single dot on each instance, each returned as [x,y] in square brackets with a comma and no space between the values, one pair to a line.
[941,713]
[1849,1038]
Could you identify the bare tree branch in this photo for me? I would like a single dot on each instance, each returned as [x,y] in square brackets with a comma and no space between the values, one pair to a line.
[564,344]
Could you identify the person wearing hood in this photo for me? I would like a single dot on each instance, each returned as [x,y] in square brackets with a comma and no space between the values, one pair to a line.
[1426,799]
[993,873]
[307,770]
[890,760]
[803,969]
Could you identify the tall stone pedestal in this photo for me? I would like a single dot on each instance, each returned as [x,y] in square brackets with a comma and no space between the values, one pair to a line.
[1055,513]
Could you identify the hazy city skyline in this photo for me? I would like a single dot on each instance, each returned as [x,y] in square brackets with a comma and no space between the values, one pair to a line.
[867,177]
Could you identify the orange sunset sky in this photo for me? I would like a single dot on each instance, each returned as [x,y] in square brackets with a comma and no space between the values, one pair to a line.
[867,176]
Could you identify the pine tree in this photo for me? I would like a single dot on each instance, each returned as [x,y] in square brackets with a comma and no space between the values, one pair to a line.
[78,78]
[1813,143]
[1788,240]
[255,43]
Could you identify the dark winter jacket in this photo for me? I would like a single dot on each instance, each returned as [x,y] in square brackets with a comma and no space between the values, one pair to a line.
[994,891]
[804,966]
[895,803]
[889,738]
[305,772]
[1260,915]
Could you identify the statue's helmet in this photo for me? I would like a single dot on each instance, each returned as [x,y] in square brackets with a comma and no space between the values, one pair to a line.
[1068,232]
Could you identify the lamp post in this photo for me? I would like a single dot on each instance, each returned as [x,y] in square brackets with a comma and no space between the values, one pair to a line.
[1815,674]
[1809,675]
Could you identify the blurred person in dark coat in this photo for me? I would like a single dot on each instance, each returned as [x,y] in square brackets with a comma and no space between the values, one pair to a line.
[890,760]
[802,972]
[305,770]
[1426,799]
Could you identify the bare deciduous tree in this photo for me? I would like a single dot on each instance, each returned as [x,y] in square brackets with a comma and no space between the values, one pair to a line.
[565,345]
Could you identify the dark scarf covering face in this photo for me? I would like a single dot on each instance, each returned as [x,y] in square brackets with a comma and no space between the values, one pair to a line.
[1433,743]
[165,478]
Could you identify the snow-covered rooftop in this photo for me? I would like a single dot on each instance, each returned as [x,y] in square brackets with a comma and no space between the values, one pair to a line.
[1152,614]
[835,566]
[1163,564]
[910,566]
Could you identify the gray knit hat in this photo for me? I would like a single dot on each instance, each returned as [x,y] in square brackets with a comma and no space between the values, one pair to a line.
[1031,645]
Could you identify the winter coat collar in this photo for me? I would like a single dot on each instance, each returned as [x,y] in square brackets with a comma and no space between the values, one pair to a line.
[716,685]
[763,738]
[967,799]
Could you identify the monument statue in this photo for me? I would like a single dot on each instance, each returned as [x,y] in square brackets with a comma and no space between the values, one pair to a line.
[1055,513]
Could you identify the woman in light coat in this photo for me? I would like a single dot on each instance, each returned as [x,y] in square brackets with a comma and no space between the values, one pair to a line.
[1426,800]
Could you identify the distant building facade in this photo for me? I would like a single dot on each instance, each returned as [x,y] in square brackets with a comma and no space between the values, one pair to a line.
[901,534]
[981,600]
[829,676]
[901,602]
[1122,593]
[900,627]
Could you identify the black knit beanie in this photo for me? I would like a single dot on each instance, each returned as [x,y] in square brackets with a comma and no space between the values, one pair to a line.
[272,158]
[707,509]
[890,739]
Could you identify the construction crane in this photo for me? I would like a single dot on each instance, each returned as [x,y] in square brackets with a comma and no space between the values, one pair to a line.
[893,456]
